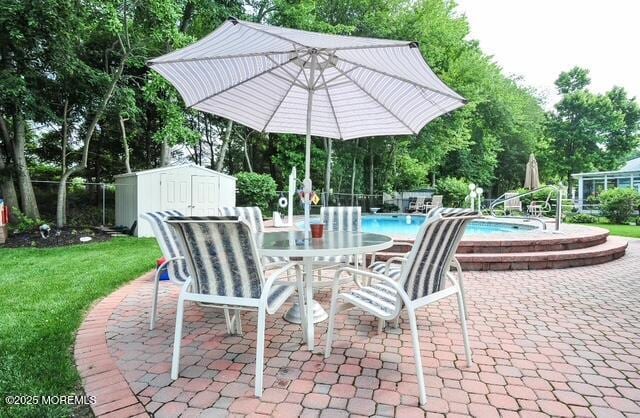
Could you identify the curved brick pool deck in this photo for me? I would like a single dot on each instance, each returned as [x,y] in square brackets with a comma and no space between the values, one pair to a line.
[545,343]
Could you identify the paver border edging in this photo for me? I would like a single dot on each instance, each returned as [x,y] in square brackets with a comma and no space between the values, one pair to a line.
[98,371]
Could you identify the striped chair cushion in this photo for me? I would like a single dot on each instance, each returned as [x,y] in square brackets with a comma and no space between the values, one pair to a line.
[432,252]
[377,298]
[342,218]
[253,216]
[380,268]
[168,242]
[250,214]
[278,295]
[222,256]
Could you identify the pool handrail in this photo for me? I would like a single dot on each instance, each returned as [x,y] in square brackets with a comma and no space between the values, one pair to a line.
[502,198]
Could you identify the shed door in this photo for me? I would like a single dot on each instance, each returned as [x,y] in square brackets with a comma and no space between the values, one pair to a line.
[175,192]
[205,195]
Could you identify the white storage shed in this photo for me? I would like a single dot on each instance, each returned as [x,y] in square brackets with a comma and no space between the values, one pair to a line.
[189,188]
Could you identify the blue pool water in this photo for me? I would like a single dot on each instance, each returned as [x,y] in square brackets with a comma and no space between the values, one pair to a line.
[408,225]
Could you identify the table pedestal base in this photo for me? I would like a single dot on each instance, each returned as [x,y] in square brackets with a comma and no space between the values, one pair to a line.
[293,314]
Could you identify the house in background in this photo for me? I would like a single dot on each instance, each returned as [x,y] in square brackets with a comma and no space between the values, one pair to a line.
[592,184]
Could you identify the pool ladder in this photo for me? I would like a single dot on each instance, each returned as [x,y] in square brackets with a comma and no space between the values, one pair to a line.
[558,218]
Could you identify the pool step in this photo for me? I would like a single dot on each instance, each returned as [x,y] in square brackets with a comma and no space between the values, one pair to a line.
[613,248]
[543,258]
[550,243]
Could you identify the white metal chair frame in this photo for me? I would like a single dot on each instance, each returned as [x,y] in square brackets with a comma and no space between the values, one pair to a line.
[436,202]
[418,205]
[346,260]
[239,303]
[402,299]
[512,202]
[537,208]
[173,268]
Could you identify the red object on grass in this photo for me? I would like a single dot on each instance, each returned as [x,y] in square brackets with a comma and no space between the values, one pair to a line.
[159,262]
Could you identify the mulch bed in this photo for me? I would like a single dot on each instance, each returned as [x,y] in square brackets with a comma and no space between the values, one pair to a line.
[57,238]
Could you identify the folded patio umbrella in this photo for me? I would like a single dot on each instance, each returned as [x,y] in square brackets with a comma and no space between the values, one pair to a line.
[281,80]
[531,179]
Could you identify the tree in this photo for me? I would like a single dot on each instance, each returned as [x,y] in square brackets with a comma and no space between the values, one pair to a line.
[589,131]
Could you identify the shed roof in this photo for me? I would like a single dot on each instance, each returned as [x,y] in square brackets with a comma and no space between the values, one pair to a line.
[173,167]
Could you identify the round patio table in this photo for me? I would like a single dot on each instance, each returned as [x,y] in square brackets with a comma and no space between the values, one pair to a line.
[292,244]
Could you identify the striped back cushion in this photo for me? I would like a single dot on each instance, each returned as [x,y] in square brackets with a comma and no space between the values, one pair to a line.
[342,218]
[251,215]
[168,242]
[434,248]
[447,212]
[221,255]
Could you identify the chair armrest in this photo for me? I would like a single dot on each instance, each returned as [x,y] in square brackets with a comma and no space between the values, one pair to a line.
[275,276]
[390,261]
[395,285]
[166,262]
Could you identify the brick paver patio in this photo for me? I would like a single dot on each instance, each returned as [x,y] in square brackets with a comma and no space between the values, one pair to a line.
[545,343]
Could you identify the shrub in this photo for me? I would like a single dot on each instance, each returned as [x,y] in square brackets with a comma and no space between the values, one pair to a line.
[453,191]
[256,190]
[582,218]
[619,204]
[23,223]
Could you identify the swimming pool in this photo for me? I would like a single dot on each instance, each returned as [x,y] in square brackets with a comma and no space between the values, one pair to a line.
[402,225]
[408,225]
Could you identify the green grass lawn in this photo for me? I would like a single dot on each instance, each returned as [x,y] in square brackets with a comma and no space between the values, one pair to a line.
[44,295]
[631,231]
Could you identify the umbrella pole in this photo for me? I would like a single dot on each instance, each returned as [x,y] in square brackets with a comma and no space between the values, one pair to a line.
[307,154]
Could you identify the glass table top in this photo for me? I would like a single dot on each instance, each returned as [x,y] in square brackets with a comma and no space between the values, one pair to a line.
[292,243]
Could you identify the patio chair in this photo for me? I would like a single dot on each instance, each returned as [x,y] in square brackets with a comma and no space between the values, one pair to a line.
[436,202]
[253,216]
[418,205]
[339,218]
[174,263]
[226,271]
[537,208]
[419,282]
[512,202]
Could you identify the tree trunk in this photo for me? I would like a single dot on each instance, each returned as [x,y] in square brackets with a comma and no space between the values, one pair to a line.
[27,195]
[125,144]
[246,155]
[62,185]
[370,169]
[7,187]
[327,172]
[224,146]
[165,153]
[353,172]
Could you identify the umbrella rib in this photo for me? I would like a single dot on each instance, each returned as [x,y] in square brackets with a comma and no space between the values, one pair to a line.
[221,57]
[377,101]
[243,81]
[333,110]
[346,48]
[293,77]
[402,79]
[284,97]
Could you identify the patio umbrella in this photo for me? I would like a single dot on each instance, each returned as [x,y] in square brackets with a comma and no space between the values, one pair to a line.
[531,179]
[281,80]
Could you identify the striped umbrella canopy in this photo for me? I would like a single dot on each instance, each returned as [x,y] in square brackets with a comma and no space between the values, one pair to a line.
[531,178]
[281,80]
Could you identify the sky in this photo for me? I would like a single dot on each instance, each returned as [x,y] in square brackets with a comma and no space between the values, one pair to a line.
[538,39]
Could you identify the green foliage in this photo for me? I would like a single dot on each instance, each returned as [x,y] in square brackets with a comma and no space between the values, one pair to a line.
[23,223]
[582,218]
[453,191]
[619,204]
[256,190]
[583,124]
